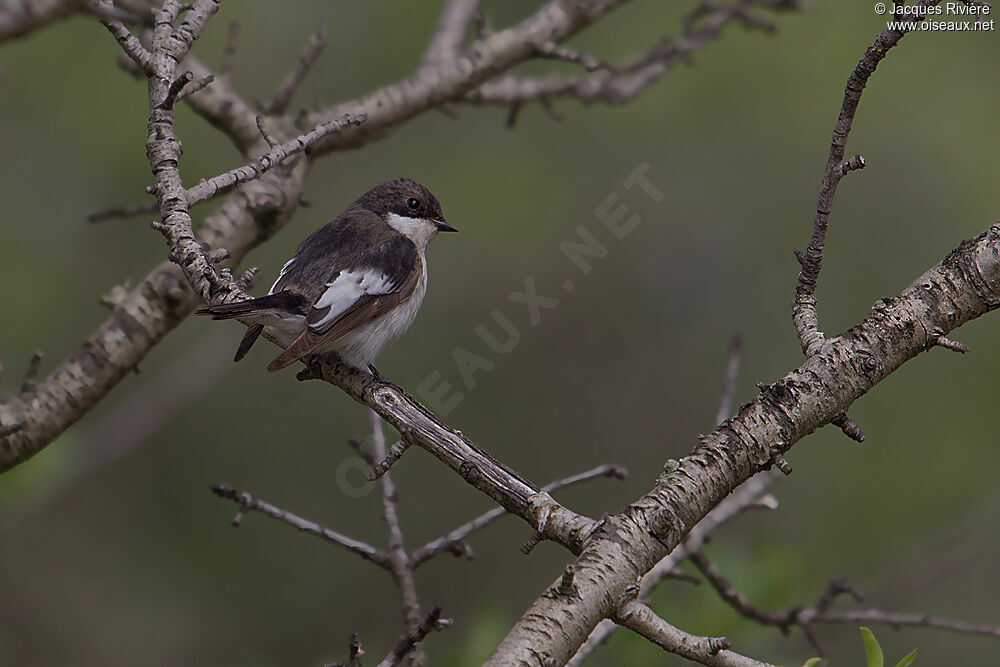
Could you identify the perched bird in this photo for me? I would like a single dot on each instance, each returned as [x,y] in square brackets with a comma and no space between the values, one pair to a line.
[355,285]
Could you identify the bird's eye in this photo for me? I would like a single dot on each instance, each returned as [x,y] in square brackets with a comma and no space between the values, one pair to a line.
[413,204]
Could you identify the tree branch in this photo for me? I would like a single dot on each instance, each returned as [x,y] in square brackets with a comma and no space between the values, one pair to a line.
[432,86]
[249,503]
[454,541]
[452,25]
[965,285]
[19,18]
[258,167]
[713,651]
[291,83]
[804,312]
[259,210]
[401,566]
[408,643]
[804,618]
[621,82]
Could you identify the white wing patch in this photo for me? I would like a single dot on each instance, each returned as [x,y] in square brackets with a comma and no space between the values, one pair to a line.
[346,289]
[281,275]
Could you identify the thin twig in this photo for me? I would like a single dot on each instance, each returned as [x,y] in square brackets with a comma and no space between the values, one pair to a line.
[129,43]
[399,559]
[804,312]
[452,25]
[621,82]
[229,53]
[224,182]
[123,212]
[819,613]
[715,651]
[310,53]
[249,503]
[553,51]
[31,373]
[408,642]
[197,86]
[382,466]
[454,541]
[897,620]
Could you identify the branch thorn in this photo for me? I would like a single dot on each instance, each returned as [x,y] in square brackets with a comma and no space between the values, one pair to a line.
[856,162]
[28,383]
[847,425]
[175,89]
[938,338]
[530,543]
[382,467]
[779,461]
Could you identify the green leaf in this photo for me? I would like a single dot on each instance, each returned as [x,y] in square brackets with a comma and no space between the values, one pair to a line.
[908,659]
[873,652]
[812,662]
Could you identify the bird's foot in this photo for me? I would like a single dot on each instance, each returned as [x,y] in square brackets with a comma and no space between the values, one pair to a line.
[378,376]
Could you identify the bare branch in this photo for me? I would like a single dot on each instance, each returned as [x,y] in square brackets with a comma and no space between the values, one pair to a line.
[382,466]
[309,55]
[249,503]
[175,90]
[454,541]
[222,107]
[804,312]
[819,613]
[452,26]
[197,86]
[19,18]
[163,298]
[621,82]
[553,51]
[399,559]
[269,160]
[728,592]
[850,429]
[704,650]
[451,79]
[160,300]
[939,339]
[129,43]
[745,497]
[229,53]
[123,212]
[475,466]
[898,620]
[408,642]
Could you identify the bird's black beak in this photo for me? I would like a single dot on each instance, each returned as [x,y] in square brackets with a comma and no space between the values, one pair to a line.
[443,226]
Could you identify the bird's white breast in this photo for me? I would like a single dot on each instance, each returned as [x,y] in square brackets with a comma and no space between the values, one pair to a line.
[360,347]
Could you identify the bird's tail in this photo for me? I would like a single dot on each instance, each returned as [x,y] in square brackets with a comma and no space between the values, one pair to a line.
[276,304]
[282,302]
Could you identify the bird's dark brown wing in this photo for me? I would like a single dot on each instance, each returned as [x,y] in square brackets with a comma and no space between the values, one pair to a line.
[366,287]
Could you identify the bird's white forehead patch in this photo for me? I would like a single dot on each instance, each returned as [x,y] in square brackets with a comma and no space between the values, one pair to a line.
[418,230]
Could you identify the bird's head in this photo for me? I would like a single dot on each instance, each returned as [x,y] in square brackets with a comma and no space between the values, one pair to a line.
[409,208]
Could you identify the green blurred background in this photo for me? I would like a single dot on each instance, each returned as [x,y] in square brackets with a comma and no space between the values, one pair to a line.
[112,548]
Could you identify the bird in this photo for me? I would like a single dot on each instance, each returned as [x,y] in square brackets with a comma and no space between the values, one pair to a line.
[354,285]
